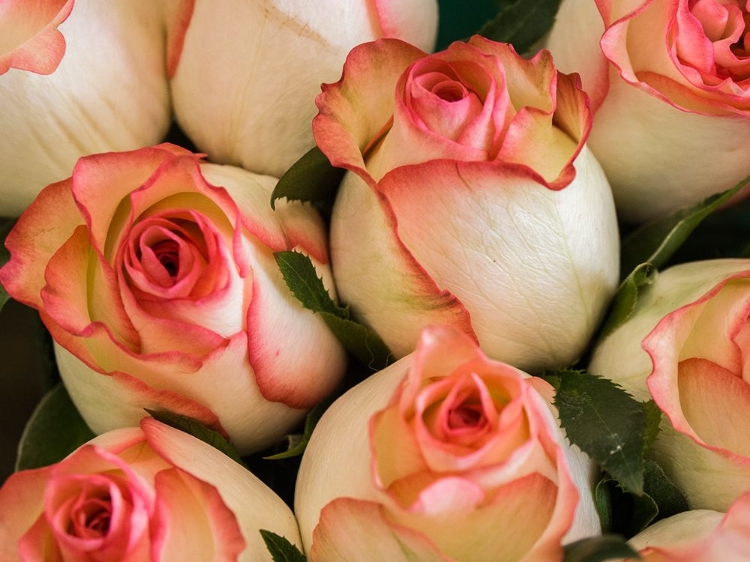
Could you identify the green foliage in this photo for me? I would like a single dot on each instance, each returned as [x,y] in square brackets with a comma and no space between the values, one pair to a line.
[626,298]
[599,549]
[54,431]
[281,549]
[302,279]
[297,447]
[656,241]
[606,422]
[198,430]
[521,22]
[310,179]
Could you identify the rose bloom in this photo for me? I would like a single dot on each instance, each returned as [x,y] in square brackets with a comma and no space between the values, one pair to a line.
[471,199]
[109,92]
[248,72]
[698,536]
[687,346]
[445,455]
[670,86]
[161,291]
[134,494]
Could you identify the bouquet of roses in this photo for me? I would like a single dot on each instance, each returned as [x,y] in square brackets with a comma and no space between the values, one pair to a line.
[392,317]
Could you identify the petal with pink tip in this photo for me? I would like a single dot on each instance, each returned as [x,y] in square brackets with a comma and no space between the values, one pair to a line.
[29,39]
[352,529]
[22,498]
[209,532]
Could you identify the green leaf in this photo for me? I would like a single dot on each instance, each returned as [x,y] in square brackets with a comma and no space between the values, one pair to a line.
[604,421]
[598,549]
[197,429]
[54,431]
[626,298]
[297,447]
[521,22]
[656,241]
[281,549]
[628,514]
[653,419]
[302,279]
[310,179]
[5,227]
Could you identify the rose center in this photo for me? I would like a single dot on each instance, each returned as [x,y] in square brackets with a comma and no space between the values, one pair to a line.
[91,519]
[450,91]
[465,415]
[725,24]
[168,254]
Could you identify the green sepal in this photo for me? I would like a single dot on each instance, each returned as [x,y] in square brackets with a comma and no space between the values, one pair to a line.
[599,549]
[606,422]
[281,549]
[626,299]
[311,179]
[656,241]
[521,22]
[54,430]
[198,430]
[302,279]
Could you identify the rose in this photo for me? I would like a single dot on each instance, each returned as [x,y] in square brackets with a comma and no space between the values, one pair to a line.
[133,494]
[686,345]
[249,71]
[471,199]
[161,291]
[669,85]
[435,457]
[30,39]
[110,91]
[698,536]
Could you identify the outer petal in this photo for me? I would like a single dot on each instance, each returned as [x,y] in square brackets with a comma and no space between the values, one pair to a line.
[263,98]
[254,505]
[22,498]
[535,308]
[109,93]
[29,39]
[630,119]
[377,276]
[352,529]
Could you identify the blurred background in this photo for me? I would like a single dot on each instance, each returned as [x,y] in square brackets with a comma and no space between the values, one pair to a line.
[25,370]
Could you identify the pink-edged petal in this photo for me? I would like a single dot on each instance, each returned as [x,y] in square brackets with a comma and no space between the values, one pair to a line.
[191,519]
[369,280]
[305,365]
[358,108]
[22,498]
[35,239]
[455,532]
[178,16]
[412,21]
[352,529]
[474,243]
[389,432]
[29,39]
[253,504]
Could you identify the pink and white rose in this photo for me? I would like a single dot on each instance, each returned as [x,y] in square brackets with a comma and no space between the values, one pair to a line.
[29,39]
[110,91]
[244,87]
[436,457]
[142,493]
[161,291]
[471,199]
[670,86]
[698,536]
[687,346]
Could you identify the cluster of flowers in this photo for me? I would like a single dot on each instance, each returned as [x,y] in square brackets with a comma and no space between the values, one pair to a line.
[475,231]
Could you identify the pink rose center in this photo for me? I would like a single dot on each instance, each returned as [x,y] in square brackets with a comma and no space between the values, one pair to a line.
[91,518]
[466,415]
[713,39]
[167,252]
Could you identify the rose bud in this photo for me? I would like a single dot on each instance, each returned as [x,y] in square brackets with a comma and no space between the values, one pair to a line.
[670,90]
[471,199]
[109,92]
[249,72]
[698,536]
[687,347]
[31,40]
[135,494]
[161,291]
[444,455]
